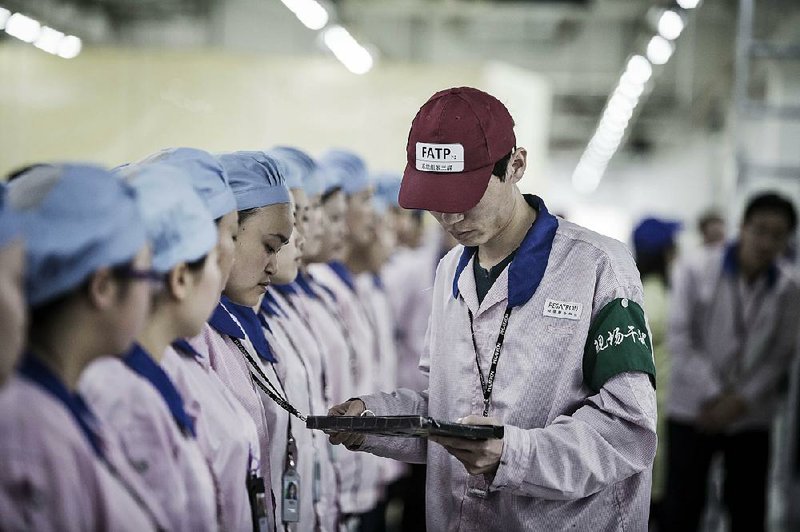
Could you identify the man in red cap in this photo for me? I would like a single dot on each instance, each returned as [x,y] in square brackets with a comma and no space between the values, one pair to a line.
[537,325]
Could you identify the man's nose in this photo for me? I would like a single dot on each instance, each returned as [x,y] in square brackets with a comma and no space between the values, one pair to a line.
[452,218]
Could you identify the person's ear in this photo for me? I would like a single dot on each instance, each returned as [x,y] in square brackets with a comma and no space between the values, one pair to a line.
[517,165]
[103,289]
[179,281]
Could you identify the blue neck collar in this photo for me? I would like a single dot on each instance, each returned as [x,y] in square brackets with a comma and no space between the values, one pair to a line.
[140,362]
[35,371]
[343,273]
[183,347]
[222,322]
[530,262]
[252,325]
[286,289]
[730,265]
[270,305]
[304,284]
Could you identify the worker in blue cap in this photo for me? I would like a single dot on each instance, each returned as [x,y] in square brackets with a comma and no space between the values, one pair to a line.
[133,396]
[13,311]
[210,181]
[655,248]
[226,433]
[87,282]
[349,229]
[300,348]
[233,344]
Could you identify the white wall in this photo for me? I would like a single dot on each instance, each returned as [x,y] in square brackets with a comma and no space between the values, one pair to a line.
[116,105]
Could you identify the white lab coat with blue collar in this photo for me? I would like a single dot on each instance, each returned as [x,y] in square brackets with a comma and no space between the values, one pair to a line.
[574,457]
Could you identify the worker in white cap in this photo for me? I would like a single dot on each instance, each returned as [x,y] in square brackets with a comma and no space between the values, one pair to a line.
[87,282]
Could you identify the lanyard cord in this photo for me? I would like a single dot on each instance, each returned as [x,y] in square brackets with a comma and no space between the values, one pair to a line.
[318,523]
[487,384]
[259,378]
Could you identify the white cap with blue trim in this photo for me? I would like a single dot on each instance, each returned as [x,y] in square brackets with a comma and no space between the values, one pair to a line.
[347,169]
[76,219]
[255,178]
[207,176]
[178,224]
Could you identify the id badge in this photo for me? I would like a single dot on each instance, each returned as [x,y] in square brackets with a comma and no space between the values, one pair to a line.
[290,509]
[258,503]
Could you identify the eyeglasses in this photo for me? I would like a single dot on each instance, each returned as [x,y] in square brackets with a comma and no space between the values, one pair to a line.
[128,272]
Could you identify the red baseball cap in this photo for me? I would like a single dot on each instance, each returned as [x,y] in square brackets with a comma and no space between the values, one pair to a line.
[455,140]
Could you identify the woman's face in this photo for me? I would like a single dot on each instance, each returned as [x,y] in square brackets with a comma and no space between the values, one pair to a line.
[261,235]
[301,211]
[314,229]
[228,227]
[13,310]
[360,217]
[289,258]
[335,228]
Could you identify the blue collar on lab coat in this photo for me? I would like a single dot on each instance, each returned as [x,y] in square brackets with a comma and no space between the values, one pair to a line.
[530,262]
[222,322]
[304,284]
[182,347]
[252,325]
[141,363]
[343,273]
[35,371]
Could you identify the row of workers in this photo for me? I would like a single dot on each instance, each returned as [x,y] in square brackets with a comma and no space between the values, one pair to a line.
[236,294]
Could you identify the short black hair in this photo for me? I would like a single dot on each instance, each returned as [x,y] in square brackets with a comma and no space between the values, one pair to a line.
[329,194]
[19,172]
[771,202]
[655,263]
[501,166]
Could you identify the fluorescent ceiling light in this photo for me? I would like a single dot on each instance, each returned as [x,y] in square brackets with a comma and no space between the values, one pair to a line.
[632,91]
[619,103]
[688,4]
[4,14]
[353,56]
[659,50]
[670,25]
[23,28]
[309,12]
[586,179]
[69,47]
[639,69]
[49,40]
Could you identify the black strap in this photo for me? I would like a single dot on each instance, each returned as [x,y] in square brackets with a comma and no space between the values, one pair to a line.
[270,389]
[487,385]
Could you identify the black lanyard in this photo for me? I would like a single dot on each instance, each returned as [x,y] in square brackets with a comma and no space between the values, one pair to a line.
[487,385]
[259,377]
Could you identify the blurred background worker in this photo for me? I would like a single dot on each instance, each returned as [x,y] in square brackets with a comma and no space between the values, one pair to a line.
[655,248]
[711,226]
[732,335]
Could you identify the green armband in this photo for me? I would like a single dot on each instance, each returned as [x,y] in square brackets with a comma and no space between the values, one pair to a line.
[618,341]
